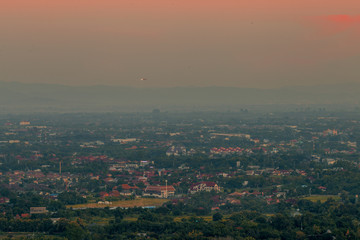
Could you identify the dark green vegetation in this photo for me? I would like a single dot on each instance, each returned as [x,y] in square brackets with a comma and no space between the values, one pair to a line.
[310,221]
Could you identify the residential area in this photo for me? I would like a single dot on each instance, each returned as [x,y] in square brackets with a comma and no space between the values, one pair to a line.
[197,163]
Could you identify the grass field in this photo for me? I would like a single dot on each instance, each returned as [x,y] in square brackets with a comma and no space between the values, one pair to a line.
[322,198]
[140,202]
[206,218]
[25,235]
[130,219]
[100,220]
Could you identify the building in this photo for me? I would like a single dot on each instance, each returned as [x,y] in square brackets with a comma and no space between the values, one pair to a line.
[24,123]
[240,135]
[144,163]
[124,140]
[176,151]
[38,210]
[204,187]
[159,191]
[4,200]
[127,190]
[330,132]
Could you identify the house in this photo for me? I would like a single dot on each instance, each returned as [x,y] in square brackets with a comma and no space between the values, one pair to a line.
[127,190]
[4,200]
[233,201]
[128,187]
[126,193]
[204,186]
[25,215]
[159,191]
[114,193]
[103,194]
[237,194]
[109,180]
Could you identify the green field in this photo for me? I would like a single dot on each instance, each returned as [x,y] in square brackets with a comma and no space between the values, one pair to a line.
[322,198]
[140,202]
[179,218]
[27,235]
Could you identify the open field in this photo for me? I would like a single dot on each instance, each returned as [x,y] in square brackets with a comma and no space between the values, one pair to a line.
[130,219]
[179,218]
[100,221]
[26,235]
[140,202]
[322,198]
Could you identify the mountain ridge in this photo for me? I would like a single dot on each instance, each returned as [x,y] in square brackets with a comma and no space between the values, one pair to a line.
[56,96]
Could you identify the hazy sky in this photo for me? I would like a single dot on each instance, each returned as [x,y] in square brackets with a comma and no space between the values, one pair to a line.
[243,43]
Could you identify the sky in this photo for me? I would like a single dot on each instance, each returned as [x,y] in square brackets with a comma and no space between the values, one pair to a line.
[232,43]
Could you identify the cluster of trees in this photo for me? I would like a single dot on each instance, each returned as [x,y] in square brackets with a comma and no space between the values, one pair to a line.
[304,220]
[313,221]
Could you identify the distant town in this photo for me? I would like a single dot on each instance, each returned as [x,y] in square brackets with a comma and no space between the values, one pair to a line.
[81,176]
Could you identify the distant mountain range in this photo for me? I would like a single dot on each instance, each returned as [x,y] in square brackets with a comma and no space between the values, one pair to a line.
[21,97]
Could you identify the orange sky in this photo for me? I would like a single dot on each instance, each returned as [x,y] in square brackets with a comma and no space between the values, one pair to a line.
[251,43]
[260,7]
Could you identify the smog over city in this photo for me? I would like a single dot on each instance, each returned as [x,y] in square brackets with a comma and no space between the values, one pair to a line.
[166,119]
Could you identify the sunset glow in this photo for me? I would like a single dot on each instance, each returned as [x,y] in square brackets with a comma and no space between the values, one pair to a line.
[117,41]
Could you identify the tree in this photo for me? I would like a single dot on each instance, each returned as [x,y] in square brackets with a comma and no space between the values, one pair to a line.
[74,231]
[71,198]
[217,217]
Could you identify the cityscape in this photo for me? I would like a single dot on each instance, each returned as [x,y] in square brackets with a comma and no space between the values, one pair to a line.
[181,175]
[179,120]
